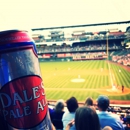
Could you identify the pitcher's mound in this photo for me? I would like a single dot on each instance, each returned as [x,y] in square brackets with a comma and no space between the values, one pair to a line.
[78,80]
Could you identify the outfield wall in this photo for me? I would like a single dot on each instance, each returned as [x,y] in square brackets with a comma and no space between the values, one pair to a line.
[55,59]
[68,59]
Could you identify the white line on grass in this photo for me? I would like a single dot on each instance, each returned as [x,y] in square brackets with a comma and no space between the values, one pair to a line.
[110,74]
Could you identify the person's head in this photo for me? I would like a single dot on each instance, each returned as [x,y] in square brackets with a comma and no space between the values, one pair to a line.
[86,119]
[89,102]
[107,128]
[60,104]
[72,104]
[103,102]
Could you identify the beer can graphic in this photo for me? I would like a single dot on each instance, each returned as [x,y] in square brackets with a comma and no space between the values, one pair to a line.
[23,104]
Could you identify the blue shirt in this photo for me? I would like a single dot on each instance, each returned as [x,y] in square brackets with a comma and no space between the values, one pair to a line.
[109,119]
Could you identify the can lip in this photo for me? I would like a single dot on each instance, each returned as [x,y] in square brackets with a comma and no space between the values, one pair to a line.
[14,36]
[13,30]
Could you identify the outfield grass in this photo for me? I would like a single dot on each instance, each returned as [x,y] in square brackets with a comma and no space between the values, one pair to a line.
[98,76]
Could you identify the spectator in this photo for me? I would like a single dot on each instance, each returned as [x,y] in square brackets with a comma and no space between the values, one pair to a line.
[127,122]
[50,109]
[53,127]
[89,102]
[72,105]
[107,128]
[85,119]
[105,118]
[56,115]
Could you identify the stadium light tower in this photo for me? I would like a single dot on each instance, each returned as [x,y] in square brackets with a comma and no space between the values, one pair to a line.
[107,34]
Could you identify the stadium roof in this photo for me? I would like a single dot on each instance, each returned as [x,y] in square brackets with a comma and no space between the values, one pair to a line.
[85,25]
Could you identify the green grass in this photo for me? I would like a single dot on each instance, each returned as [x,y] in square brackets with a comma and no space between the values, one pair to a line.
[57,78]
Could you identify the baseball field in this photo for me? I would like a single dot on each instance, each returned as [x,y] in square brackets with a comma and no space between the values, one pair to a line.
[84,79]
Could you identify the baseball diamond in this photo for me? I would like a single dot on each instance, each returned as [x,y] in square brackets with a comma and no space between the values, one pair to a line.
[85,79]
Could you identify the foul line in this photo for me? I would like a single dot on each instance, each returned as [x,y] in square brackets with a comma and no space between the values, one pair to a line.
[110,73]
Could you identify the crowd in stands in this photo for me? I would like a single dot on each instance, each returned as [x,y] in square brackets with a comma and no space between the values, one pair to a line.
[75,47]
[122,57]
[74,38]
[87,116]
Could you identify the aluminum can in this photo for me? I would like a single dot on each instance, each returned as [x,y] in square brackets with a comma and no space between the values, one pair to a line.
[23,104]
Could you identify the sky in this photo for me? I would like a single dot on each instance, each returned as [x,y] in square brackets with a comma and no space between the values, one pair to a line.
[30,14]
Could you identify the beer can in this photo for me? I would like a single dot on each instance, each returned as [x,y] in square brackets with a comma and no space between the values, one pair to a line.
[23,104]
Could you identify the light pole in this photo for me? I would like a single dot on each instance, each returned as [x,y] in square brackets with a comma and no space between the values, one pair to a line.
[107,34]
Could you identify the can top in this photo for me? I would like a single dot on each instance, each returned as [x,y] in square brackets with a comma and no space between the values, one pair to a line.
[14,36]
[6,32]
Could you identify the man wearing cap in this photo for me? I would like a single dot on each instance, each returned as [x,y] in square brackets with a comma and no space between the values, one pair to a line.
[105,118]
